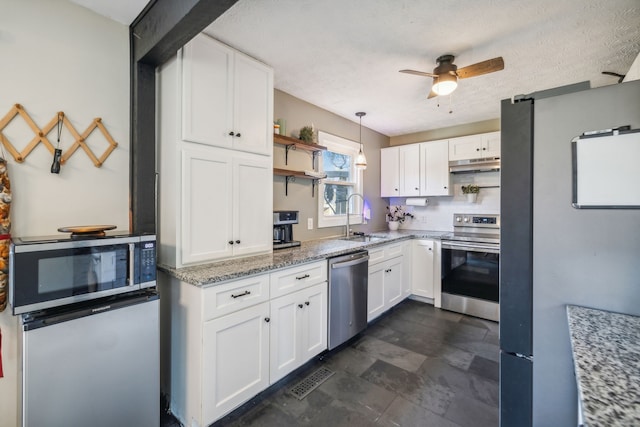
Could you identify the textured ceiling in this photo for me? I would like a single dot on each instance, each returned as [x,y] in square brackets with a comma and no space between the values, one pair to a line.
[344,55]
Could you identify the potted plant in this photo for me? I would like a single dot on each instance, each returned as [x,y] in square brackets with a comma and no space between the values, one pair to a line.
[306,134]
[471,191]
[396,216]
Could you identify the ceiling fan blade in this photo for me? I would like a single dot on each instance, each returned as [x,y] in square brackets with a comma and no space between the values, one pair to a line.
[484,67]
[418,73]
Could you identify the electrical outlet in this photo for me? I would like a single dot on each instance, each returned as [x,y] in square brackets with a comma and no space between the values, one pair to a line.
[309,223]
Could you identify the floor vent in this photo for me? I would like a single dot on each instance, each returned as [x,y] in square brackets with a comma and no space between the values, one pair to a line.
[310,383]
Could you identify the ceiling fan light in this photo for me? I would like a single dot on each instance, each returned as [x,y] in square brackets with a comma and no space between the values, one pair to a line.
[445,84]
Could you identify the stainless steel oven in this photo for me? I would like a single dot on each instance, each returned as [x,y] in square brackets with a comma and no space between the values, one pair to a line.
[471,265]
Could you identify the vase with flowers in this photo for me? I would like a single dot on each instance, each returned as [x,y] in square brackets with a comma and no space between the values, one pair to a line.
[396,215]
[471,191]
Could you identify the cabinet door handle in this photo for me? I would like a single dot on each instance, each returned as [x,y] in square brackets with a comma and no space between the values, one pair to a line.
[477,149]
[445,187]
[266,319]
[231,133]
[241,295]
[303,277]
[238,241]
[231,242]
[417,188]
[300,305]
[429,248]
[395,189]
[238,135]
[484,148]
[306,303]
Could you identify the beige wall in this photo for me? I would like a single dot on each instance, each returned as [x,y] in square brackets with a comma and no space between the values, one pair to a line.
[57,56]
[448,132]
[298,114]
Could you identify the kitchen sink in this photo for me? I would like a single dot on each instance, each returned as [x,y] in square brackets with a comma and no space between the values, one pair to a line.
[366,238]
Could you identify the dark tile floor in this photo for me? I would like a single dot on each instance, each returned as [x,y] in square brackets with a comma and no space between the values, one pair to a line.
[415,366]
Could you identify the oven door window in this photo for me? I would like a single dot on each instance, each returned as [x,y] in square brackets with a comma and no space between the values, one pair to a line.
[471,274]
[57,274]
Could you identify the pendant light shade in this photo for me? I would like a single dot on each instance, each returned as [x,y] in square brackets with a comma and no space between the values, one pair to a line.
[361,160]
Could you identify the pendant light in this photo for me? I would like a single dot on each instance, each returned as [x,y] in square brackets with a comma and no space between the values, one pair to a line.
[361,160]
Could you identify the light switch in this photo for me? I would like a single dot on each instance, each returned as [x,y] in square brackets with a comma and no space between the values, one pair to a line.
[309,223]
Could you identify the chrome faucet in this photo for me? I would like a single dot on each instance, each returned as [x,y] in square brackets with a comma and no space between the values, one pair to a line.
[346,233]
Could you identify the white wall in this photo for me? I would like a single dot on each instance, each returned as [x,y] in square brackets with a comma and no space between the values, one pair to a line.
[57,56]
[438,214]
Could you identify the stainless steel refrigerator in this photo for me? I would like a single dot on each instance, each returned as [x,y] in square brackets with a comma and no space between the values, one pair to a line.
[553,254]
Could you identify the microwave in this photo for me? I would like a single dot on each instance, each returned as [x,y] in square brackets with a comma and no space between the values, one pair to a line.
[51,272]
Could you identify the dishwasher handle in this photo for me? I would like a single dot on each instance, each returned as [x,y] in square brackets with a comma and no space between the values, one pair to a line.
[349,263]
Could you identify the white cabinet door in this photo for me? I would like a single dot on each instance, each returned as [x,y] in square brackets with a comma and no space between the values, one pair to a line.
[491,144]
[227,97]
[314,330]
[235,360]
[298,329]
[409,170]
[435,172]
[393,282]
[285,336]
[475,146]
[422,277]
[389,172]
[375,294]
[407,264]
[466,147]
[207,92]
[252,204]
[206,214]
[253,106]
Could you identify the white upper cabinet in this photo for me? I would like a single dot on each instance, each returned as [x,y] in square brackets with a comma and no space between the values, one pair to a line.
[227,97]
[435,179]
[410,170]
[475,146]
[390,172]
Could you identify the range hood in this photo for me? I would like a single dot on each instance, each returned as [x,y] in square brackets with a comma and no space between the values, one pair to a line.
[489,164]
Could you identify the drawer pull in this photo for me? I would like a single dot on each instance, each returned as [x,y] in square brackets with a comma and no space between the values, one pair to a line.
[306,276]
[241,295]
[300,305]
[306,302]
[266,319]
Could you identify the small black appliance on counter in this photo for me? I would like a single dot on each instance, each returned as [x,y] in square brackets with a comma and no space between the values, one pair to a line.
[283,230]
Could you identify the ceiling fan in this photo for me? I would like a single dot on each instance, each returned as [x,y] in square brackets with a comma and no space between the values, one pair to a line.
[446,74]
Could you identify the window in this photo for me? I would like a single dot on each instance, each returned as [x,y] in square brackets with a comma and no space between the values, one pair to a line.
[342,180]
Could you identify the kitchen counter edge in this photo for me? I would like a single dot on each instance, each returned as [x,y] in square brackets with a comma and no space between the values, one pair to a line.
[606,358]
[313,250]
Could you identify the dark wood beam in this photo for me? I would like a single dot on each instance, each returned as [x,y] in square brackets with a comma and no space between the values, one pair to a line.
[162,28]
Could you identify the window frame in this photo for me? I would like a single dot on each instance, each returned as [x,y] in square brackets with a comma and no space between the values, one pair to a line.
[341,145]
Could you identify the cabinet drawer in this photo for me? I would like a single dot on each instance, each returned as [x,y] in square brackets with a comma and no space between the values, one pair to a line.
[229,297]
[376,255]
[295,278]
[392,251]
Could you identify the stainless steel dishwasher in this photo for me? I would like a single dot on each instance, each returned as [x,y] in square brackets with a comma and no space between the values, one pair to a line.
[348,282]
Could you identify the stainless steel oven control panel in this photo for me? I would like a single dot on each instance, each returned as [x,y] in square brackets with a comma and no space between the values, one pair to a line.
[476,220]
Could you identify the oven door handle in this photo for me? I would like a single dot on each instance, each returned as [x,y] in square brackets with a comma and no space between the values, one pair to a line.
[473,247]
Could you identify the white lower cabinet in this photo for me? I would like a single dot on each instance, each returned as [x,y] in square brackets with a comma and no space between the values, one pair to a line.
[298,329]
[385,287]
[223,344]
[425,271]
[235,360]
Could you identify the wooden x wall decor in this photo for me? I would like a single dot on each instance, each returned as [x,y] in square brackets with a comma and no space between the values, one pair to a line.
[41,136]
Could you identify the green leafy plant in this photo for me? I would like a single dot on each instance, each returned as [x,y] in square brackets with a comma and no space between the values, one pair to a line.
[470,189]
[306,134]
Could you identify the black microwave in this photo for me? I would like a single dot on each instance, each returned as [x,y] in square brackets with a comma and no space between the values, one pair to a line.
[47,273]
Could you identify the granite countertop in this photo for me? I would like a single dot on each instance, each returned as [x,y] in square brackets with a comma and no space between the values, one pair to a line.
[312,250]
[606,358]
